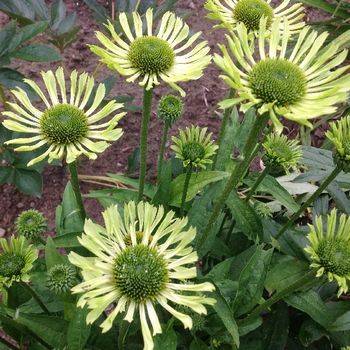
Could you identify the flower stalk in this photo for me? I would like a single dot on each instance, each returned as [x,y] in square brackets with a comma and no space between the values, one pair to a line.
[76,188]
[185,189]
[162,150]
[146,116]
[36,297]
[310,200]
[237,173]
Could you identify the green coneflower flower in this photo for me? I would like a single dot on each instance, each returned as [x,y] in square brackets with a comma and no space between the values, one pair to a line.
[298,82]
[263,210]
[339,135]
[169,109]
[31,224]
[16,260]
[152,57]
[61,278]
[194,147]
[249,12]
[141,275]
[68,127]
[329,249]
[281,153]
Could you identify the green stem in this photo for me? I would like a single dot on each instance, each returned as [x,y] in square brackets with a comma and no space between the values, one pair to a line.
[162,150]
[305,280]
[185,189]
[146,115]
[256,184]
[76,188]
[223,126]
[237,174]
[310,200]
[36,297]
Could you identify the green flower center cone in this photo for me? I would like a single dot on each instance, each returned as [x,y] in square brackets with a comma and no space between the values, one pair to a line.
[334,256]
[61,278]
[193,151]
[250,12]
[140,273]
[277,80]
[64,124]
[11,264]
[151,55]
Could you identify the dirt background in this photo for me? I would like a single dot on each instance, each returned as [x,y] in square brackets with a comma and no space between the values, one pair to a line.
[200,104]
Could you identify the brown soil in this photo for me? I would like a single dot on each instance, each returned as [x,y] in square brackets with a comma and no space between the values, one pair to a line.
[201,100]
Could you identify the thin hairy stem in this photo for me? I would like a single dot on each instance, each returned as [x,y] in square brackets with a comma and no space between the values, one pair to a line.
[162,150]
[236,175]
[185,189]
[256,184]
[36,297]
[76,188]
[309,201]
[146,115]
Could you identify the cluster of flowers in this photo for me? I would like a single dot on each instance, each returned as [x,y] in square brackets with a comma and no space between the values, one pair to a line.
[272,61]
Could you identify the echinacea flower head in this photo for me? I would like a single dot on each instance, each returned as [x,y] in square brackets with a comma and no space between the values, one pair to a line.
[329,248]
[298,80]
[69,125]
[194,147]
[281,153]
[139,276]
[61,278]
[249,12]
[170,109]
[31,224]
[16,260]
[339,135]
[152,55]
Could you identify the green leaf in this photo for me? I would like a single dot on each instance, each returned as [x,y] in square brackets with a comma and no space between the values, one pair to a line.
[108,197]
[285,270]
[228,141]
[52,256]
[10,78]
[166,340]
[197,182]
[310,331]
[6,174]
[246,218]
[67,240]
[198,344]
[31,30]
[70,220]
[325,6]
[251,281]
[78,331]
[28,181]
[342,323]
[311,303]
[6,35]
[225,313]
[162,196]
[37,53]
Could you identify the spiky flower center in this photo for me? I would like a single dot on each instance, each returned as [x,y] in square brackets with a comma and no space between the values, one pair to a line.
[64,124]
[140,273]
[250,11]
[31,224]
[170,109]
[11,264]
[277,80]
[193,151]
[151,55]
[61,278]
[335,256]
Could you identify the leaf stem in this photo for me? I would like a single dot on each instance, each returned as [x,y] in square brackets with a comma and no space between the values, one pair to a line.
[310,200]
[236,174]
[257,182]
[185,189]
[162,150]
[76,188]
[301,282]
[36,297]
[8,344]
[146,115]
